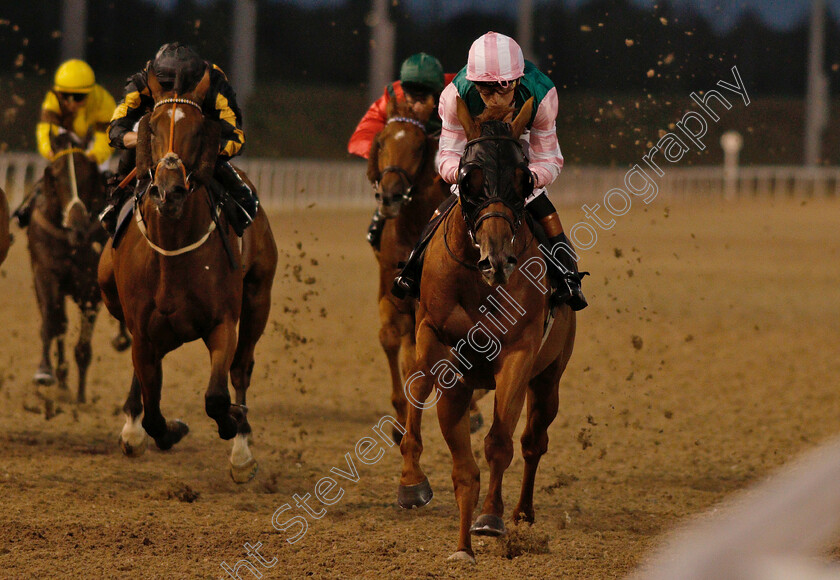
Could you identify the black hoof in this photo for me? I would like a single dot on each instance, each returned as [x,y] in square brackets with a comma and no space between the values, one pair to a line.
[175,431]
[121,342]
[488,525]
[396,435]
[476,422]
[413,496]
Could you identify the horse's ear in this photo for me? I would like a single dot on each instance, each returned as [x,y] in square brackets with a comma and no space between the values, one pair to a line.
[390,107]
[471,128]
[373,174]
[521,120]
[154,85]
[203,86]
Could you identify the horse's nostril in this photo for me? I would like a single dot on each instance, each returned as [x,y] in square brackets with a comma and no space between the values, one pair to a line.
[512,260]
[485,265]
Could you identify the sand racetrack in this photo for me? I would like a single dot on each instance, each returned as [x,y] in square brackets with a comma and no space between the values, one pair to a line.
[708,357]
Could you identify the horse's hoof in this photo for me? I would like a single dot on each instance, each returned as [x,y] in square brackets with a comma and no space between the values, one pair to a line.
[396,435]
[43,378]
[244,473]
[175,431]
[488,525]
[130,450]
[476,422]
[413,496]
[121,342]
[461,556]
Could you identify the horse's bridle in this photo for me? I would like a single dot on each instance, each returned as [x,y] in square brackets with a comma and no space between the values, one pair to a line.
[408,180]
[474,224]
[175,101]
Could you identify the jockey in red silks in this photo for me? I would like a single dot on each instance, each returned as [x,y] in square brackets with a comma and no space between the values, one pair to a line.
[497,74]
[421,81]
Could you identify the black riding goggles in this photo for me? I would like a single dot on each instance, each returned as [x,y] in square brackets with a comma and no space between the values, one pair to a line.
[75,97]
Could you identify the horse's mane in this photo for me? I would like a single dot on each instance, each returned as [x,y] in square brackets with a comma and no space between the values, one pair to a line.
[496,113]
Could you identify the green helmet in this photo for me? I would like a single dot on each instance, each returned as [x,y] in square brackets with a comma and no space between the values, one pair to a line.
[424,70]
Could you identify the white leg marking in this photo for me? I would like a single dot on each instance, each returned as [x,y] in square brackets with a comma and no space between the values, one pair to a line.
[240,454]
[133,432]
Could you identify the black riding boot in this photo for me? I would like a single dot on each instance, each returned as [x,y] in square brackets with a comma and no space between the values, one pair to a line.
[241,204]
[23,214]
[566,280]
[117,196]
[407,282]
[374,234]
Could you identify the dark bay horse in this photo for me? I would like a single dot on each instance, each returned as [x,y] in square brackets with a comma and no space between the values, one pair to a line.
[65,241]
[401,166]
[480,324]
[5,236]
[172,281]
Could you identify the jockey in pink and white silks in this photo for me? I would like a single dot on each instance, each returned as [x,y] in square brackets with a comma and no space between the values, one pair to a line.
[497,74]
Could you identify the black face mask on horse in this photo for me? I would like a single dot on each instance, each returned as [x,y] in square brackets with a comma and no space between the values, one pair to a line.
[494,169]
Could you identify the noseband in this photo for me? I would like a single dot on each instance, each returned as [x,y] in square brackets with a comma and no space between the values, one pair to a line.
[175,101]
[408,180]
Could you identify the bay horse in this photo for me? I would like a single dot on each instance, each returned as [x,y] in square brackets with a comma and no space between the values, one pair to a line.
[65,241]
[480,324]
[5,236]
[401,167]
[176,276]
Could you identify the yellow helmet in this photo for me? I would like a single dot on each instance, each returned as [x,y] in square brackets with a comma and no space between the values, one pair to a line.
[74,76]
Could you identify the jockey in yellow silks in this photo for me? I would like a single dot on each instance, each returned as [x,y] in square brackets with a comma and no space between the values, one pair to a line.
[75,104]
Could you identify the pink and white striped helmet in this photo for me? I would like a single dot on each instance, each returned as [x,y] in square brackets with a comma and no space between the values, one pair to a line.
[495,58]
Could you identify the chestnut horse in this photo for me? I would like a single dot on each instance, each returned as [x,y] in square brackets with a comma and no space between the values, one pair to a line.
[65,240]
[401,167]
[5,236]
[175,276]
[480,324]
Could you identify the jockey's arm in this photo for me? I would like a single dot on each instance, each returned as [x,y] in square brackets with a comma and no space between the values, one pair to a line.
[453,140]
[367,129]
[48,124]
[135,104]
[227,112]
[99,149]
[545,159]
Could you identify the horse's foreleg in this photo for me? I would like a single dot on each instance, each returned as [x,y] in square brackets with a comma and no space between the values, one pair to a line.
[543,401]
[498,445]
[147,367]
[46,292]
[83,351]
[414,490]
[454,420]
[393,334]
[133,438]
[255,308]
[222,344]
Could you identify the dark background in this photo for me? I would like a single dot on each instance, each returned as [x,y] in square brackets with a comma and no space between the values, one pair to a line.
[623,72]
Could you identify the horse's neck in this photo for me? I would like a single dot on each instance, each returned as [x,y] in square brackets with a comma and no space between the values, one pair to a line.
[429,192]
